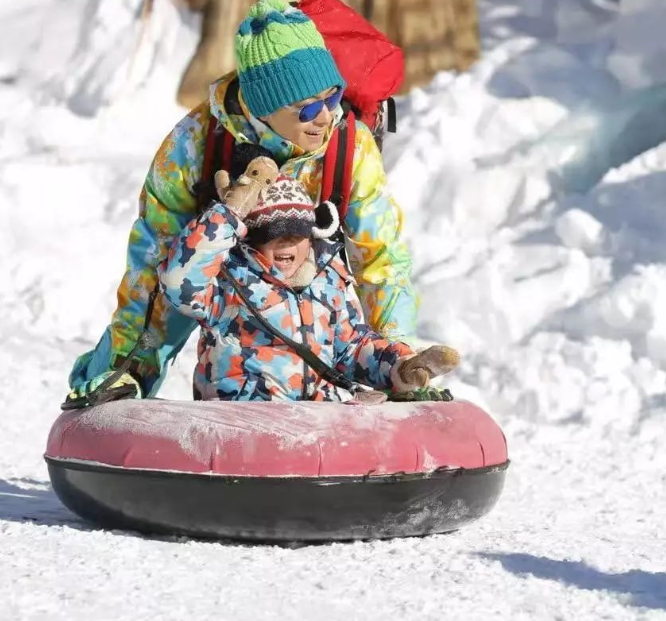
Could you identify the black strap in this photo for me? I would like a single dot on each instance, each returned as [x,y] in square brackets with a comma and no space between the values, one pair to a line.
[338,180]
[392,120]
[151,304]
[340,161]
[317,364]
[231,103]
[104,392]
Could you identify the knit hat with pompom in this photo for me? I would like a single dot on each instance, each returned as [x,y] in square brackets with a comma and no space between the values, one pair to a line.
[281,58]
[287,209]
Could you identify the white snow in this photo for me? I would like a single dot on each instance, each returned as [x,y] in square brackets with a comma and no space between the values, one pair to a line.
[533,189]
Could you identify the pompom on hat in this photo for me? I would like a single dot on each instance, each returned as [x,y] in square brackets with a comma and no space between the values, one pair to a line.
[287,209]
[281,58]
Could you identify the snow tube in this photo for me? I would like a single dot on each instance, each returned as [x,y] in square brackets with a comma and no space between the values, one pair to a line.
[279,471]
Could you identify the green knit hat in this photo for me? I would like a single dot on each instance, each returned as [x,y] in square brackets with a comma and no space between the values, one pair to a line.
[281,58]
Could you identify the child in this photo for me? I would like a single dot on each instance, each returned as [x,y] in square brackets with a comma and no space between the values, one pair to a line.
[285,267]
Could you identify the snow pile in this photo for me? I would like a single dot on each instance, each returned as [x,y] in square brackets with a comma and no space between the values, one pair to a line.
[532,189]
[639,52]
[537,257]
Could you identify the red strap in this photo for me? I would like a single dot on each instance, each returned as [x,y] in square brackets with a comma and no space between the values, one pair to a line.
[332,161]
[217,156]
[227,150]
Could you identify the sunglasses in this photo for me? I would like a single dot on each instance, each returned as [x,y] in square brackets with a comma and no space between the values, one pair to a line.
[309,112]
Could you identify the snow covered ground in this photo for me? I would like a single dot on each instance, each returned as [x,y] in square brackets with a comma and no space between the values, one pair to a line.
[534,191]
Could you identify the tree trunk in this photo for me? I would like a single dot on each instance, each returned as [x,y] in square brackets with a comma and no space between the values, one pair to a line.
[214,55]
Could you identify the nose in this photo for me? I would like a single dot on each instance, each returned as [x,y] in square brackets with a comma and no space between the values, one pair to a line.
[324,117]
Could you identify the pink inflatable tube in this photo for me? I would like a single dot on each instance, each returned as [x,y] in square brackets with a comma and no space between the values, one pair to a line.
[278,470]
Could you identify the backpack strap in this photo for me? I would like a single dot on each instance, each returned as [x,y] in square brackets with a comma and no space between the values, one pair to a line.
[224,152]
[203,193]
[338,164]
[392,120]
[219,148]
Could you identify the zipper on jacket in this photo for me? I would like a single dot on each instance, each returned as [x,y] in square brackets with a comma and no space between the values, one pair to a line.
[304,391]
[302,329]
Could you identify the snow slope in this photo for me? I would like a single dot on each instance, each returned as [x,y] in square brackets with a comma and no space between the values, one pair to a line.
[533,190]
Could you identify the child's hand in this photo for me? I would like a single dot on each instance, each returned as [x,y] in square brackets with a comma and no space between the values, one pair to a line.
[417,371]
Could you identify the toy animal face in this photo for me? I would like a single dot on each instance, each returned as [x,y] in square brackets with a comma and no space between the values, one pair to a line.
[262,170]
[255,173]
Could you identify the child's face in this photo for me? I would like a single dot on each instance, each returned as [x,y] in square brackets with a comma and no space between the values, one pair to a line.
[287,253]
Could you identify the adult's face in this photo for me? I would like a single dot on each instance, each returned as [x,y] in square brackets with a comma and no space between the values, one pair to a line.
[309,135]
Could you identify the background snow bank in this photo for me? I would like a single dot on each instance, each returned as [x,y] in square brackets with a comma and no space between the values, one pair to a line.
[532,189]
[530,246]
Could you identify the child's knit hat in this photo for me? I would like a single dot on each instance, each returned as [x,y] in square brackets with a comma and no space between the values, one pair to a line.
[281,58]
[287,209]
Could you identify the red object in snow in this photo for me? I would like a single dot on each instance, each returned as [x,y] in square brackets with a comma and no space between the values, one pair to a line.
[280,439]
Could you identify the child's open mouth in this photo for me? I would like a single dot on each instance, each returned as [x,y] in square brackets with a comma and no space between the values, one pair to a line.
[283,259]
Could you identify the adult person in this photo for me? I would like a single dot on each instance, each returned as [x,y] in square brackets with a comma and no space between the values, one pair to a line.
[288,102]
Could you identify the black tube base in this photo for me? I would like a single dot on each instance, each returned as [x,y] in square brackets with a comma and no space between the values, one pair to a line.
[276,509]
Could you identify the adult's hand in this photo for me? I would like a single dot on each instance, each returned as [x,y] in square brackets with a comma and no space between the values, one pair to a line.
[125,387]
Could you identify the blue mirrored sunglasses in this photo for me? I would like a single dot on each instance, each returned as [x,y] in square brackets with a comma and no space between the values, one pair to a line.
[311,111]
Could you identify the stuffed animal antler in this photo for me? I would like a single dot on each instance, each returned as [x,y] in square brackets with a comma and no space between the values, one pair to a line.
[242,197]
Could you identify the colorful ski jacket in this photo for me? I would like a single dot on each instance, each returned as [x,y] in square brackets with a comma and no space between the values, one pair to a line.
[239,359]
[380,261]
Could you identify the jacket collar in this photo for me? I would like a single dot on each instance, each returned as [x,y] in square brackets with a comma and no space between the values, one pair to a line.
[328,255]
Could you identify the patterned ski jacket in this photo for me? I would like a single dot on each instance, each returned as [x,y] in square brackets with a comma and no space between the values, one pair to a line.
[380,261]
[239,359]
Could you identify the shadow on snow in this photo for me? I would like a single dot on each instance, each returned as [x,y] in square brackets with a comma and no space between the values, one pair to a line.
[37,505]
[646,589]
[41,506]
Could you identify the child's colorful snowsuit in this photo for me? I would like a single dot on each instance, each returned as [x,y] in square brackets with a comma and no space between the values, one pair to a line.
[241,360]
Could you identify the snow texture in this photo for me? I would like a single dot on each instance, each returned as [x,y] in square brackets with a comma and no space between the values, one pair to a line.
[533,191]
